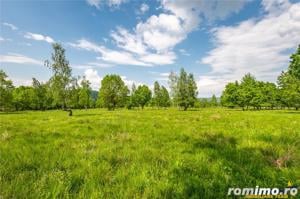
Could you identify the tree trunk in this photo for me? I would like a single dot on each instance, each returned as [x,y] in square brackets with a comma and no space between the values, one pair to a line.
[69,110]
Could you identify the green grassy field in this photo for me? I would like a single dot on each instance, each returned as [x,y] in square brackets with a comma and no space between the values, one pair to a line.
[146,153]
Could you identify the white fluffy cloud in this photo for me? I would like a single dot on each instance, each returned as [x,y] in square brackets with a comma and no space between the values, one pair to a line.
[144,8]
[159,59]
[93,76]
[91,65]
[163,77]
[127,41]
[11,26]
[129,82]
[21,82]
[4,39]
[209,85]
[153,40]
[260,47]
[95,79]
[116,2]
[87,45]
[184,52]
[95,3]
[120,57]
[158,34]
[189,11]
[108,55]
[19,59]
[38,37]
[124,57]
[275,6]
[161,32]
[111,3]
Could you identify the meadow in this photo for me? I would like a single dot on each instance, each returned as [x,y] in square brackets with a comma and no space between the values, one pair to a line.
[147,153]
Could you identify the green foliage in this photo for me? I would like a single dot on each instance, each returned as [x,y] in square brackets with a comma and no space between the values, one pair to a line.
[40,98]
[161,96]
[289,90]
[173,85]
[257,94]
[6,88]
[183,89]
[156,94]
[246,91]
[113,92]
[85,90]
[165,100]
[146,154]
[289,82]
[230,95]
[266,95]
[252,93]
[62,76]
[24,98]
[294,67]
[94,96]
[204,103]
[213,101]
[132,100]
[142,95]
[73,93]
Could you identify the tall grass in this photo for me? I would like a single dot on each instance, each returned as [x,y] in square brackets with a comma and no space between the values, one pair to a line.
[146,153]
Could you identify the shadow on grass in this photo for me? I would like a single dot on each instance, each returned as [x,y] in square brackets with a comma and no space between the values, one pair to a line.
[13,113]
[86,114]
[289,112]
[235,109]
[189,110]
[227,165]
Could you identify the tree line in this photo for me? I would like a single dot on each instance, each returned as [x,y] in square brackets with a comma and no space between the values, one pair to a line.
[251,93]
[63,91]
[66,92]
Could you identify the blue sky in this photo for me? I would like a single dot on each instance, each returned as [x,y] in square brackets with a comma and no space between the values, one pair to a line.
[218,41]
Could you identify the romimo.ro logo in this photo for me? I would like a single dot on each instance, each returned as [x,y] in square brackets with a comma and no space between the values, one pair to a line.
[263,192]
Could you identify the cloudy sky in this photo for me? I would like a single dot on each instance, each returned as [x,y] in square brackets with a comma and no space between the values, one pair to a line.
[142,41]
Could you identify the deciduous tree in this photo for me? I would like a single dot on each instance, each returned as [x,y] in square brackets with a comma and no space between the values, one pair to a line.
[183,89]
[229,97]
[62,77]
[142,95]
[213,101]
[113,92]
[85,93]
[164,98]
[6,89]
[40,94]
